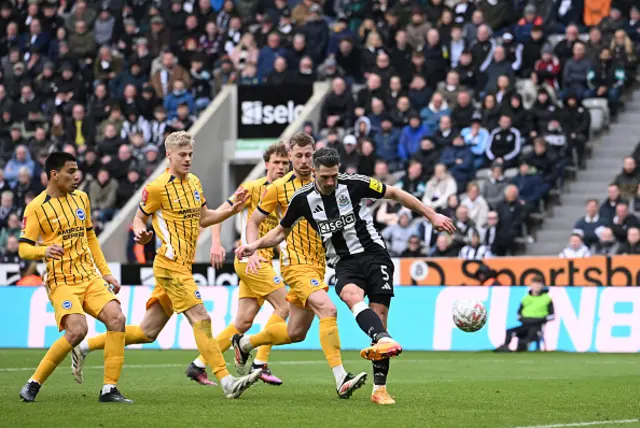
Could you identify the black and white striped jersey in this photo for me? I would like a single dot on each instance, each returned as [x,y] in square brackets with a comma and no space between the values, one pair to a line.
[342,219]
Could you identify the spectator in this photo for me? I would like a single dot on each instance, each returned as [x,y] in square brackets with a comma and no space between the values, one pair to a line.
[280,74]
[417,29]
[119,167]
[372,90]
[439,188]
[398,235]
[520,117]
[477,138]
[413,182]
[350,156]
[504,144]
[245,52]
[495,186]
[459,160]
[499,66]
[452,206]
[435,58]
[536,309]
[578,122]
[510,212]
[494,237]
[476,204]
[102,193]
[170,71]
[21,159]
[462,114]
[628,179]
[543,111]
[349,57]
[445,134]
[201,83]
[608,206]
[595,44]
[623,220]
[490,112]
[532,49]
[410,137]
[623,51]
[576,71]
[268,54]
[178,95]
[556,139]
[576,248]
[606,244]
[591,224]
[547,68]
[428,156]
[606,79]
[464,227]
[531,188]
[443,247]
[474,250]
[450,89]
[126,189]
[82,43]
[10,254]
[12,229]
[80,129]
[483,48]
[317,35]
[431,114]
[366,158]
[419,93]
[338,107]
[457,45]
[414,248]
[7,207]
[632,244]
[470,75]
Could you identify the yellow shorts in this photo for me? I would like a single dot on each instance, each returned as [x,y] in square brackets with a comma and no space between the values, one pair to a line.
[303,280]
[86,298]
[257,285]
[176,291]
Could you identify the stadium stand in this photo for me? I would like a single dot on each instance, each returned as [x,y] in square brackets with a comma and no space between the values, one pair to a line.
[492,112]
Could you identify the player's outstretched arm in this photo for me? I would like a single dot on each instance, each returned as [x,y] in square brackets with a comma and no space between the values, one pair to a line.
[273,238]
[210,217]
[439,221]
[253,225]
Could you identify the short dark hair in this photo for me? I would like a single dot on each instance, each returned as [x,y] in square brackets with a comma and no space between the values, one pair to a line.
[538,279]
[56,161]
[326,157]
[278,149]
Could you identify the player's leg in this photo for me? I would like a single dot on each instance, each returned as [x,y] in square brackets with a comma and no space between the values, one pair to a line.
[75,327]
[112,317]
[380,305]
[208,347]
[247,310]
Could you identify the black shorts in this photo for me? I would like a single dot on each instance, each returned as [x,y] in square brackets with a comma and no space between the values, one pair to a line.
[372,271]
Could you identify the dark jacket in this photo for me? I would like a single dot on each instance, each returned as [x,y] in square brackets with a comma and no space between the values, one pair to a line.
[531,187]
[463,172]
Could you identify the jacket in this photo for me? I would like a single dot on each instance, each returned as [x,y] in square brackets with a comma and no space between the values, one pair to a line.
[609,74]
[387,145]
[431,116]
[504,144]
[589,228]
[12,168]
[438,191]
[464,171]
[177,73]
[103,196]
[410,141]
[477,143]
[575,74]
[531,187]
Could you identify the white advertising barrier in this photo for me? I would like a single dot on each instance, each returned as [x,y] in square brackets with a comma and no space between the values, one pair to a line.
[588,319]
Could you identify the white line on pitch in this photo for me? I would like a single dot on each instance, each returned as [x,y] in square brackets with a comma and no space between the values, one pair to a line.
[585,424]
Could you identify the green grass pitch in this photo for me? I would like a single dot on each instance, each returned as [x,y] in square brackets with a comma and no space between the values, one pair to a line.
[438,389]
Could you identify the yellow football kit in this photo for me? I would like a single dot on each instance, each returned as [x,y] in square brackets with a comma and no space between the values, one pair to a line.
[302,256]
[266,280]
[73,284]
[174,206]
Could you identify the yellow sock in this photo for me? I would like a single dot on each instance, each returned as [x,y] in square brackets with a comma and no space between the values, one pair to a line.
[224,338]
[265,350]
[113,356]
[54,356]
[133,335]
[209,349]
[275,334]
[330,341]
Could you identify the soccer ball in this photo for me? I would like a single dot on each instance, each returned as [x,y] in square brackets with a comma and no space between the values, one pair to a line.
[469,315]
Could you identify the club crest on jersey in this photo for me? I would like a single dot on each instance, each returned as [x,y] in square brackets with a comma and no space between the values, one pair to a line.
[343,201]
[197,294]
[80,214]
[315,282]
[276,279]
[66,304]
[196,195]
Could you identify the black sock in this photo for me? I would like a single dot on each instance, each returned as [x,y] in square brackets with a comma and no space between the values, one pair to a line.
[370,323]
[380,371]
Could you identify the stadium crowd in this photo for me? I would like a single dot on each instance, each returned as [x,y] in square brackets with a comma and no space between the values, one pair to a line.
[424,94]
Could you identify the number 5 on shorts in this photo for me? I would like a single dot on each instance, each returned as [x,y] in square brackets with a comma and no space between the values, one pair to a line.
[385,274]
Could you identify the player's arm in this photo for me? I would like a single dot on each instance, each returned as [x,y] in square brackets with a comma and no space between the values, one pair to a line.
[407,200]
[96,251]
[28,248]
[210,217]
[218,253]
[273,238]
[265,208]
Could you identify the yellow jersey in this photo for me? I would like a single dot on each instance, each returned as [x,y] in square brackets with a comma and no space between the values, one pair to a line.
[303,245]
[64,221]
[174,206]
[256,189]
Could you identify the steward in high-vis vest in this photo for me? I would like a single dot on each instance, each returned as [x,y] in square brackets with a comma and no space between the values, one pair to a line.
[535,310]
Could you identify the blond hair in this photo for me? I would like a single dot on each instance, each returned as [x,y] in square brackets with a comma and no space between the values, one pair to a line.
[178,139]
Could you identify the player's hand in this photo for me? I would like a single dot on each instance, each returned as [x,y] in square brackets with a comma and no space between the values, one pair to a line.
[240,198]
[114,285]
[253,265]
[218,254]
[443,223]
[54,251]
[244,251]
[142,236]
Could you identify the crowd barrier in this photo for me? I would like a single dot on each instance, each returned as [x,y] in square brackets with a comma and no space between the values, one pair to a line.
[591,271]
[589,319]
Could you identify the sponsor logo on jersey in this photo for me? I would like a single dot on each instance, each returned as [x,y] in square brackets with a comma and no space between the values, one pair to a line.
[197,294]
[80,214]
[336,224]
[315,282]
[375,185]
[66,304]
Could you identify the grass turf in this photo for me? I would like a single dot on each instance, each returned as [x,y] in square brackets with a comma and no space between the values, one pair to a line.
[432,389]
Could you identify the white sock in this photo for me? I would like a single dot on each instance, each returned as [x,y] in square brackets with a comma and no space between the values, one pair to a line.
[386,339]
[377,387]
[106,388]
[257,362]
[359,307]
[339,373]
[245,344]
[199,363]
[84,347]
[226,381]
[33,380]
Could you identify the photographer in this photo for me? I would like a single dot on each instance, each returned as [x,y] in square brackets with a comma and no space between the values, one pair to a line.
[536,309]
